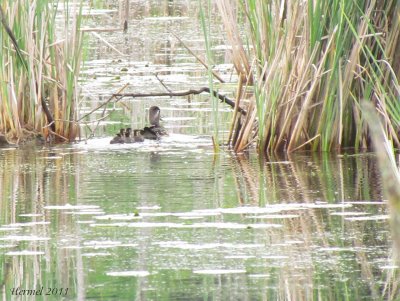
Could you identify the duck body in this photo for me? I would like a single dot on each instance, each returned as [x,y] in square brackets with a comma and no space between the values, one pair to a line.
[159,130]
[148,133]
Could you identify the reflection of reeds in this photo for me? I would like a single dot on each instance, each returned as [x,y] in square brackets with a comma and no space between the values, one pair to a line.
[26,190]
[327,178]
[38,87]
[315,60]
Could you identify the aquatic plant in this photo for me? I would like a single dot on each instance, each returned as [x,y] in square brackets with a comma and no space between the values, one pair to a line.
[40,62]
[313,62]
[205,24]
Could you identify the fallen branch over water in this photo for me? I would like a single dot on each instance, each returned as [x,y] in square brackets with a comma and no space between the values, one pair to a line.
[223,98]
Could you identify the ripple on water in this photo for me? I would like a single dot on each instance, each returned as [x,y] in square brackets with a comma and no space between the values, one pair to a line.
[218,272]
[25,238]
[24,253]
[189,246]
[96,254]
[72,207]
[368,218]
[168,143]
[129,274]
[224,225]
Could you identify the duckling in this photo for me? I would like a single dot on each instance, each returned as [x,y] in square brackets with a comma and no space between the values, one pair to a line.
[122,133]
[117,139]
[128,138]
[137,137]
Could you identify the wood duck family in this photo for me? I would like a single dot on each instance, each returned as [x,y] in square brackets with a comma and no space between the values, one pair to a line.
[153,132]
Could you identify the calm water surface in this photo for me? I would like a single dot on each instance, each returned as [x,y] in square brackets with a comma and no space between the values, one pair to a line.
[171,220]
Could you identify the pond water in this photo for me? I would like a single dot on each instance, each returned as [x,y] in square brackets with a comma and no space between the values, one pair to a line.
[171,220]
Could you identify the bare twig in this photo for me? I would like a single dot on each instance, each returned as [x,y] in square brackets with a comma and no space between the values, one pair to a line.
[58,135]
[108,44]
[104,103]
[201,61]
[162,83]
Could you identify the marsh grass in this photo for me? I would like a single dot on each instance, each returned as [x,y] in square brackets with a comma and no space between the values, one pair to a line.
[314,62]
[38,85]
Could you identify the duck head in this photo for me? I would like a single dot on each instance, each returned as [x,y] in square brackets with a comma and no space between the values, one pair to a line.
[128,132]
[154,115]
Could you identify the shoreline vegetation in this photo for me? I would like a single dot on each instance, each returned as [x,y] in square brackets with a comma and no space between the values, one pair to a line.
[311,63]
[40,60]
[303,70]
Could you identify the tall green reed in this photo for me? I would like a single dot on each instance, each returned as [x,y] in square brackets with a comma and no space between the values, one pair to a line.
[38,89]
[205,25]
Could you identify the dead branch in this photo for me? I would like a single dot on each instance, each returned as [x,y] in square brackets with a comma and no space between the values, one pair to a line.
[223,98]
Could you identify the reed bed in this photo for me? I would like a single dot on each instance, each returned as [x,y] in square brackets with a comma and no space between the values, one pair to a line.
[40,62]
[313,63]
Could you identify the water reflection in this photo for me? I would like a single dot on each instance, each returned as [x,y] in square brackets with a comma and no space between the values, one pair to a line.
[117,225]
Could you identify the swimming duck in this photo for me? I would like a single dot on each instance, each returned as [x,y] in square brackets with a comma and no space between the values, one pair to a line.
[155,130]
[117,139]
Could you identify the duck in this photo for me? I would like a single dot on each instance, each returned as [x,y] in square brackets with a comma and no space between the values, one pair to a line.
[155,130]
[117,139]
